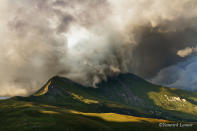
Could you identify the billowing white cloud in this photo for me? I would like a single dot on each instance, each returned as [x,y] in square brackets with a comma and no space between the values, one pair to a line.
[88,40]
[187,51]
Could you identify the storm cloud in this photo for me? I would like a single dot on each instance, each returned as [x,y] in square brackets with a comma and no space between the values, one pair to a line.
[89,40]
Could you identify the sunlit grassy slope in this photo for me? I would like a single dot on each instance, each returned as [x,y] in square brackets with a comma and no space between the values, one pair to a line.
[125,102]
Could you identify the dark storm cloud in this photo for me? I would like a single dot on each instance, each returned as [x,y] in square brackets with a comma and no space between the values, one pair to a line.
[156,49]
[89,40]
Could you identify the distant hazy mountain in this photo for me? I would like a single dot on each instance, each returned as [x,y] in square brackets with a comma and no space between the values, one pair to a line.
[3,98]
[123,102]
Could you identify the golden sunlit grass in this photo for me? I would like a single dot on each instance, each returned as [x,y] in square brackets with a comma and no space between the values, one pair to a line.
[47,106]
[45,90]
[81,98]
[113,117]
[28,105]
[173,89]
[171,101]
[49,112]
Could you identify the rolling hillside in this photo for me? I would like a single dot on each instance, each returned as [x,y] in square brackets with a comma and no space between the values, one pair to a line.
[124,102]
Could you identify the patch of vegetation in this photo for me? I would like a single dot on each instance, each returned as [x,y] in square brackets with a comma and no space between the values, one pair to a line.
[125,102]
[28,116]
[81,98]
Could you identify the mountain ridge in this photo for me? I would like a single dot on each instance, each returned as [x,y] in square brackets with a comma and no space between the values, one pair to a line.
[125,94]
[125,97]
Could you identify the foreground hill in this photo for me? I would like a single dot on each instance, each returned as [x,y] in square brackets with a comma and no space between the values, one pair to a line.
[124,102]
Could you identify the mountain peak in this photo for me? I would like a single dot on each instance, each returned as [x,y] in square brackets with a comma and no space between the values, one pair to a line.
[52,86]
[124,94]
[44,89]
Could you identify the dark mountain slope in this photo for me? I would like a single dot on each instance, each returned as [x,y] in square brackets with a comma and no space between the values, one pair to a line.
[123,102]
[125,94]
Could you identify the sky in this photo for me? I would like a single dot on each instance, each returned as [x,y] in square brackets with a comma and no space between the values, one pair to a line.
[90,40]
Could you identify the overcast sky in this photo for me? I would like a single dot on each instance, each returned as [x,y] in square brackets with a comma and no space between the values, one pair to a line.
[89,40]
